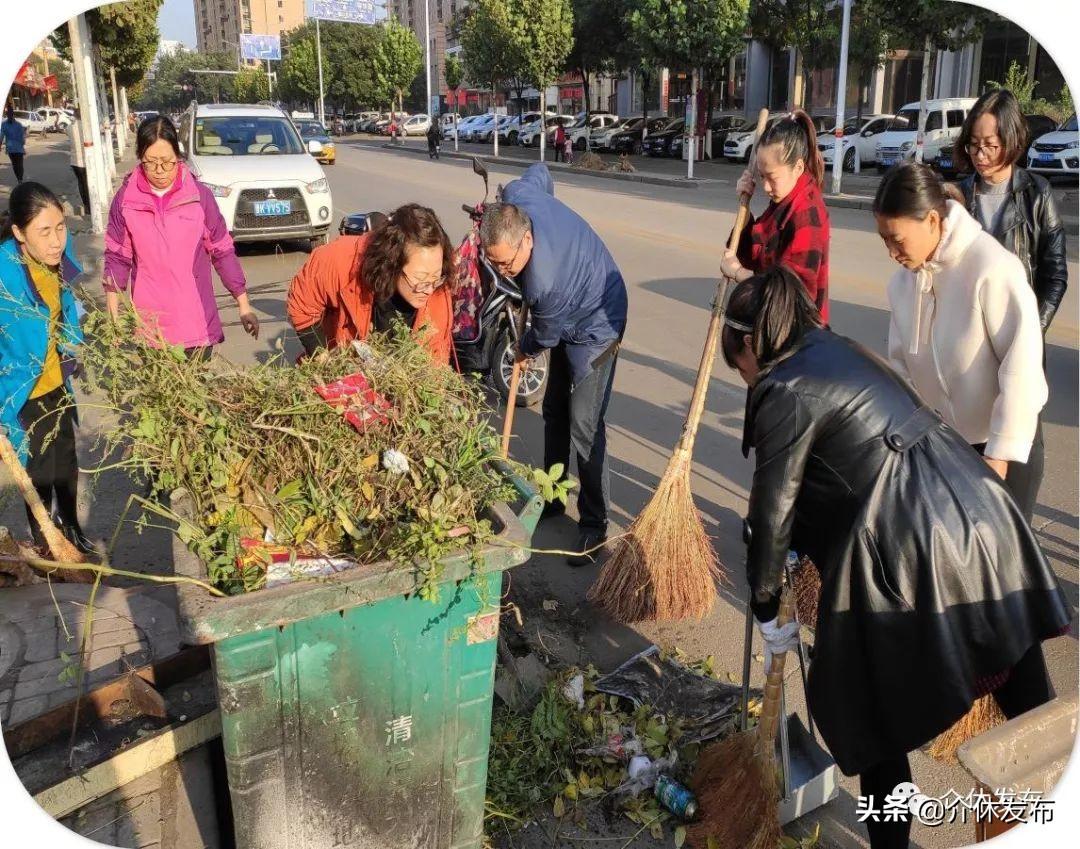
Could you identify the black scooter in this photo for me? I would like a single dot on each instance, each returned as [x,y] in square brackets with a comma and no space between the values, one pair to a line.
[490,351]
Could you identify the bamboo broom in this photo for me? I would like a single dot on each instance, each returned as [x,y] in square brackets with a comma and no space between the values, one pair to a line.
[984,715]
[736,779]
[664,566]
[61,549]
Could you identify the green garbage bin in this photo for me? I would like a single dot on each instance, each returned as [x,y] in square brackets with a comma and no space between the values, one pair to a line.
[353,712]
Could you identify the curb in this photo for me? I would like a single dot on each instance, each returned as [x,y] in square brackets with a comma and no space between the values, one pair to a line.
[559,168]
[843,201]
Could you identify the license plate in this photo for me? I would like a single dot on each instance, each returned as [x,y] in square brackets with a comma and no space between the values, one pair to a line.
[1046,157]
[887,161]
[273,207]
[945,163]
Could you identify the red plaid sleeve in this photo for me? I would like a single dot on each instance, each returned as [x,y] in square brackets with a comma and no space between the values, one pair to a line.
[804,240]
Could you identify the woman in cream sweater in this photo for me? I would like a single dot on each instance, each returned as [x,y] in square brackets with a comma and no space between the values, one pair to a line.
[965,327]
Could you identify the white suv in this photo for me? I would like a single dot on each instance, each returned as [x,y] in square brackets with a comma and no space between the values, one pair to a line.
[1057,152]
[264,178]
[944,118]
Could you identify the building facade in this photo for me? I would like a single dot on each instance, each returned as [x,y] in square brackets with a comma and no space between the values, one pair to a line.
[219,23]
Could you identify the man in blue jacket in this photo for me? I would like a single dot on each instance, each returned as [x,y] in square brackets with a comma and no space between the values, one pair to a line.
[577,301]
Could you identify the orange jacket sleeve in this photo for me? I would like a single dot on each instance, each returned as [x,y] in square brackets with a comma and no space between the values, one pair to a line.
[309,297]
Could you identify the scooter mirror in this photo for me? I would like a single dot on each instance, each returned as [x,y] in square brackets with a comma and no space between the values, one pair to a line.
[479,169]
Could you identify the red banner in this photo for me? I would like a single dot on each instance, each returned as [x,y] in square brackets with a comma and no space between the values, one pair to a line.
[571,91]
[51,83]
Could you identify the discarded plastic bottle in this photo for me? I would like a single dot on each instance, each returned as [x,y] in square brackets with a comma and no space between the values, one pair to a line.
[676,798]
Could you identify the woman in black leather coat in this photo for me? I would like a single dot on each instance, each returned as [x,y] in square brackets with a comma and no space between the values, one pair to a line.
[934,590]
[1015,206]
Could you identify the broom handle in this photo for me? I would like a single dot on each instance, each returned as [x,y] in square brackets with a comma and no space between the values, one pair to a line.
[712,338]
[61,549]
[774,680]
[515,379]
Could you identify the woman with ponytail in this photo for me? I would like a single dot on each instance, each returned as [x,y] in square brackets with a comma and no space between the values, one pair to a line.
[794,229]
[934,591]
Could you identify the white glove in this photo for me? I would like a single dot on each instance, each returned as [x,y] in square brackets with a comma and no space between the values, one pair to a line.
[778,639]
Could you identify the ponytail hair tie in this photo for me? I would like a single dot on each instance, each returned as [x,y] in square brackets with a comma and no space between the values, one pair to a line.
[737,325]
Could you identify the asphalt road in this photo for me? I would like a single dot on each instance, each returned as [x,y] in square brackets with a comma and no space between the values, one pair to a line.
[667,242]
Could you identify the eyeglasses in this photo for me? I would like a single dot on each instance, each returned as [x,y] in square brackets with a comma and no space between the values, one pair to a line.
[504,267]
[162,165]
[423,287]
[991,150]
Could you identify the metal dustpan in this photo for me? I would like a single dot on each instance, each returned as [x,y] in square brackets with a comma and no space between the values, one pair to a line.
[810,775]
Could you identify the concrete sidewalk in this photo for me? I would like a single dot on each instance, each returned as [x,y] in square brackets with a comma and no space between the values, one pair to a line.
[47,161]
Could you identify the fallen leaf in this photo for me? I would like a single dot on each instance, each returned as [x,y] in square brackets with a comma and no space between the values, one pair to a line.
[550,605]
[559,808]
[370,462]
[680,836]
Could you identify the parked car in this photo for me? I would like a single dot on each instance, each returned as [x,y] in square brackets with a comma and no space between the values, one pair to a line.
[944,119]
[720,128]
[581,129]
[313,130]
[530,135]
[499,125]
[860,139]
[263,176]
[476,129]
[57,120]
[416,125]
[600,138]
[1056,152]
[739,141]
[510,132]
[629,138]
[659,142]
[33,122]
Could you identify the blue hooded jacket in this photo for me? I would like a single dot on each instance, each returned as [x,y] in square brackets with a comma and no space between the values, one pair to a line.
[573,287]
[24,334]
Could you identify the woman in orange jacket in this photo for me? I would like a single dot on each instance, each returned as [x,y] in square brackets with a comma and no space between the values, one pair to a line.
[401,271]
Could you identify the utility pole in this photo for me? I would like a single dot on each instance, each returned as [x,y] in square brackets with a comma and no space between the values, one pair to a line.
[841,93]
[89,120]
[427,68]
[269,81]
[121,122]
[920,137]
[318,52]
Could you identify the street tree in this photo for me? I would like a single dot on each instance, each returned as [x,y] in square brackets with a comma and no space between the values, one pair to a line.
[298,73]
[599,32]
[691,34]
[251,85]
[125,37]
[492,49]
[398,60]
[454,71]
[935,25]
[173,85]
[545,29]
[810,26]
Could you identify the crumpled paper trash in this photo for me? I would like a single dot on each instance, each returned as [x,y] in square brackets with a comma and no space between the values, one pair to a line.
[395,462]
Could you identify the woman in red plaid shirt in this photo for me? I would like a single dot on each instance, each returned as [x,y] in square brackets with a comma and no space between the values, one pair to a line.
[794,229]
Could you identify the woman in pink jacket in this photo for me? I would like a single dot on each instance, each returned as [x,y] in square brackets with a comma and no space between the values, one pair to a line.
[165,232]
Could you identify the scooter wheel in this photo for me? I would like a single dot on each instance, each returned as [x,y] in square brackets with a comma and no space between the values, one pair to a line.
[533,382]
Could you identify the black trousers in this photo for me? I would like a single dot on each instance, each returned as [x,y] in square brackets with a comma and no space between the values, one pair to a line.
[574,417]
[84,188]
[558,152]
[53,465]
[1024,479]
[1028,687]
[17,164]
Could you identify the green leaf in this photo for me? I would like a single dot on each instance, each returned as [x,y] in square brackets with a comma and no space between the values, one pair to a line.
[290,490]
[559,807]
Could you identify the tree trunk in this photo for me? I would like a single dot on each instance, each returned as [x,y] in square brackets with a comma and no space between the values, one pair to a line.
[585,91]
[495,131]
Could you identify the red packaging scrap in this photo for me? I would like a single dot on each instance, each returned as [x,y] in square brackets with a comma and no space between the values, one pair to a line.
[281,566]
[362,406]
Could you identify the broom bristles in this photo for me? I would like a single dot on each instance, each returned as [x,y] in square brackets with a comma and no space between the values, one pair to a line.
[664,567]
[984,715]
[807,586]
[738,795]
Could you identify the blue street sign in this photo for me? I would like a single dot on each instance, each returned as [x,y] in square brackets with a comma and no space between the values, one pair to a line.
[349,11]
[260,47]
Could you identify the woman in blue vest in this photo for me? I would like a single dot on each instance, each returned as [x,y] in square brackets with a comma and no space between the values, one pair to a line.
[40,319]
